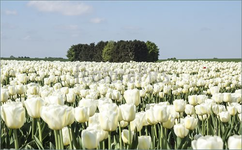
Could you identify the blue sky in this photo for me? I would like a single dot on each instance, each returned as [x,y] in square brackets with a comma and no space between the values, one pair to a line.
[181,29]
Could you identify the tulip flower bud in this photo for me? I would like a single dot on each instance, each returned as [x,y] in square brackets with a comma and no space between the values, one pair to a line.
[142,93]
[91,104]
[116,95]
[166,89]
[125,136]
[33,89]
[66,137]
[22,78]
[128,112]
[201,109]
[144,142]
[13,114]
[12,90]
[218,97]
[189,109]
[20,89]
[169,123]
[71,96]
[4,95]
[157,89]
[208,142]
[90,139]
[214,90]
[64,90]
[201,98]
[137,123]
[55,100]
[33,106]
[94,120]
[232,110]
[132,97]
[123,124]
[63,116]
[81,114]
[190,122]
[180,130]
[161,94]
[108,120]
[227,97]
[160,113]
[150,116]
[224,116]
[234,142]
[179,105]
[192,99]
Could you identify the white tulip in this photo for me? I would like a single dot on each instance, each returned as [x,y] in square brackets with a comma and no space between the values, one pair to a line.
[208,142]
[132,97]
[234,142]
[144,142]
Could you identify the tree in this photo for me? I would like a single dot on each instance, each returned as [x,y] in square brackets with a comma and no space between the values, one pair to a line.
[98,49]
[140,51]
[108,51]
[153,51]
[71,53]
[121,51]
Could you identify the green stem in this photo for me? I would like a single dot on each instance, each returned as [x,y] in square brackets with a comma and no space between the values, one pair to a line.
[70,136]
[109,140]
[104,144]
[203,127]
[153,137]
[56,140]
[33,127]
[178,142]
[120,137]
[207,126]
[155,131]
[61,139]
[129,138]
[40,132]
[73,138]
[165,138]
[15,137]
[161,137]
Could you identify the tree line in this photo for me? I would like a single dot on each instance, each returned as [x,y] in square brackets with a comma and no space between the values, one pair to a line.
[120,51]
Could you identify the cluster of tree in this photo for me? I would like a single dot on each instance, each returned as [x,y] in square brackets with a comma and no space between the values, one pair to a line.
[121,51]
[19,56]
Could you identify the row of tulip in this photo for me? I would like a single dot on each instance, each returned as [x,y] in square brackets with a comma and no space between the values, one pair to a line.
[133,109]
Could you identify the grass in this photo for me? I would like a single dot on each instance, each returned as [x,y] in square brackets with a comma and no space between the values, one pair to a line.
[36,59]
[207,59]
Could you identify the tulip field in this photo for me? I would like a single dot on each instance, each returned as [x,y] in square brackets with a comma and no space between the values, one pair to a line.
[132,105]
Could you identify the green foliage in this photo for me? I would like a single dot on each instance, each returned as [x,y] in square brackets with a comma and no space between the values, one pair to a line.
[98,51]
[71,53]
[121,51]
[108,51]
[153,51]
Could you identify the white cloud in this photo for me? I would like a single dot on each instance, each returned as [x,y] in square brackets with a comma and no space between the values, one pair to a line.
[10,12]
[64,8]
[97,20]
